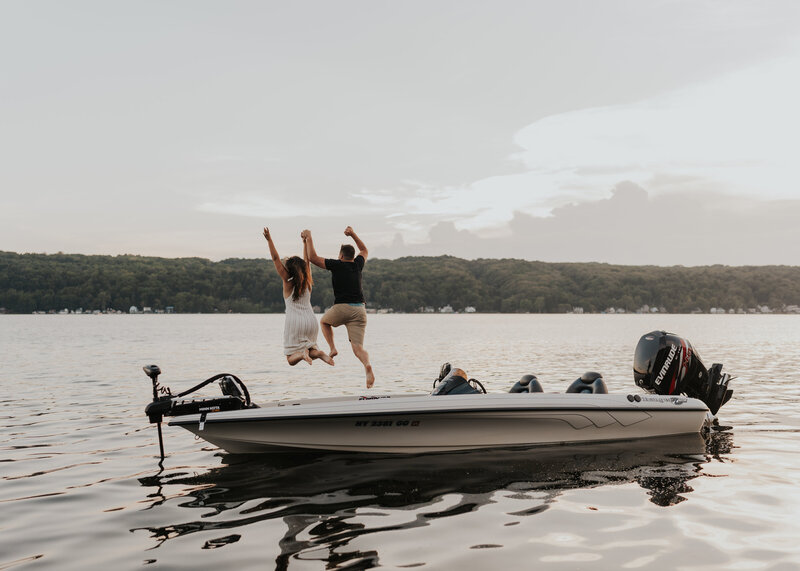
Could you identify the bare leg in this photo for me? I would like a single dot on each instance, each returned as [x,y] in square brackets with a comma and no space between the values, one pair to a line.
[298,356]
[362,355]
[294,358]
[327,333]
[317,354]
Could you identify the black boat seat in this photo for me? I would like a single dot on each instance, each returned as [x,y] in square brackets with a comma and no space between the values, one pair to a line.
[527,384]
[590,383]
[454,383]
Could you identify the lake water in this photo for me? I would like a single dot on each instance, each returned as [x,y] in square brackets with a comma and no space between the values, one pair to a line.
[82,488]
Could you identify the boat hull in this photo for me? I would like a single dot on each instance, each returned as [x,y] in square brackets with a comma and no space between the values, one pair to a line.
[425,423]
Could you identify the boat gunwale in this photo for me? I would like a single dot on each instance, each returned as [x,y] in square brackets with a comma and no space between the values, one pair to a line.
[236,416]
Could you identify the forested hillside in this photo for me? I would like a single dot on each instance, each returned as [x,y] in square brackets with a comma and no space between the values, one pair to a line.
[41,282]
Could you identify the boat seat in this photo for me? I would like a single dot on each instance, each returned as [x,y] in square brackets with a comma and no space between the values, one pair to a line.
[455,383]
[527,384]
[590,383]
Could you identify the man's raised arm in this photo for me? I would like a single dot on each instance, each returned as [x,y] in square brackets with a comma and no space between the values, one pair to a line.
[362,249]
[315,259]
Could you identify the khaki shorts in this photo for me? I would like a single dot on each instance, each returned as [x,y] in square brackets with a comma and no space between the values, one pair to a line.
[354,317]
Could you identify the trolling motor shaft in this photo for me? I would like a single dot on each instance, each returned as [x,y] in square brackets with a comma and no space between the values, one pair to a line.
[155,410]
[153,371]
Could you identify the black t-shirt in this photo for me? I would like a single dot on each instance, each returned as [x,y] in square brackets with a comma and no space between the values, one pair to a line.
[346,278]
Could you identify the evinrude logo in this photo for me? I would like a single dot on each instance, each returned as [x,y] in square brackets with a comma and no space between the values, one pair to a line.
[667,363]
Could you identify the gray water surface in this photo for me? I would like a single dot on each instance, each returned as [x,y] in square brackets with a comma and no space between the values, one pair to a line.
[82,488]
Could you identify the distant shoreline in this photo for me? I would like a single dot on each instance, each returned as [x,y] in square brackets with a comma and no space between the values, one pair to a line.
[399,313]
[57,282]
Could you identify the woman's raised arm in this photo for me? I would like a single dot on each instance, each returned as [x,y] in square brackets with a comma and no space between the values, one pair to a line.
[276,259]
[305,255]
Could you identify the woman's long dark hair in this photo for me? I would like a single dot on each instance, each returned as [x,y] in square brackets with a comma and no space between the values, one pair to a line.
[299,275]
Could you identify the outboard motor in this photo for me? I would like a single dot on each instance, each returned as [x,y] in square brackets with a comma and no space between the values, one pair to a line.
[668,365]
[590,383]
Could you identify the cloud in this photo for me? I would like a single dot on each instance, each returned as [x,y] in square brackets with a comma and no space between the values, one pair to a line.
[262,205]
[735,132]
[429,119]
[633,227]
[732,135]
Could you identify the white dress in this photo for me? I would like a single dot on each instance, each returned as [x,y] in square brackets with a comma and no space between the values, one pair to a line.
[301,327]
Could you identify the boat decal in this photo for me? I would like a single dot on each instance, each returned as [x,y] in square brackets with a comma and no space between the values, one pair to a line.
[686,353]
[375,398]
[680,370]
[385,423]
[662,373]
[676,400]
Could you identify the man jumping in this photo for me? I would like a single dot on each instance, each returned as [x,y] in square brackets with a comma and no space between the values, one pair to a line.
[348,308]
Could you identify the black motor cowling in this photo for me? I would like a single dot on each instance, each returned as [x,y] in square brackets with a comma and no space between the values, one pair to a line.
[666,364]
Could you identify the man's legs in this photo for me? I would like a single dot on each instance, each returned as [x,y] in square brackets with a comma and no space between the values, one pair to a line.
[356,325]
[362,355]
[327,333]
[331,319]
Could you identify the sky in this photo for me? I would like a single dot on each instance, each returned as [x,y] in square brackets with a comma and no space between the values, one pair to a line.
[656,132]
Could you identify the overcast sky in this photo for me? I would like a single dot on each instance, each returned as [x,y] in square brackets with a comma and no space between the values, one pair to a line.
[636,132]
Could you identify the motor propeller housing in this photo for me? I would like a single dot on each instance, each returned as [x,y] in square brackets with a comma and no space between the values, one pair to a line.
[667,364]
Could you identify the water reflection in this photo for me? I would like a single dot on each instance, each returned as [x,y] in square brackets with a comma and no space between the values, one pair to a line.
[322,499]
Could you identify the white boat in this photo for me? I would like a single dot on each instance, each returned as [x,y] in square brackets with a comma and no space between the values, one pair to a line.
[428,423]
[458,414]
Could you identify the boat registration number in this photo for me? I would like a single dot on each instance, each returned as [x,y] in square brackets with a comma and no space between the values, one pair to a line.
[385,423]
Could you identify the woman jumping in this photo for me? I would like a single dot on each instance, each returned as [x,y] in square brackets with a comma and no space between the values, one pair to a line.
[301,328]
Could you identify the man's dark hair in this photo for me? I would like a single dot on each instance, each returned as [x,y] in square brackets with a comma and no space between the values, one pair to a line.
[348,252]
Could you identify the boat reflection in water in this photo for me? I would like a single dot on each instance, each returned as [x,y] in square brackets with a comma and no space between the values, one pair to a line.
[320,497]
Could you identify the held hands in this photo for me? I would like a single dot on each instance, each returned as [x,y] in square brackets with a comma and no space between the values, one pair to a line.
[306,234]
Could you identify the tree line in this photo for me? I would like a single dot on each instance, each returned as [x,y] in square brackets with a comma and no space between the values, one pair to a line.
[45,282]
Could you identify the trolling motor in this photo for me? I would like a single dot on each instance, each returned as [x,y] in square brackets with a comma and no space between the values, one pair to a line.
[157,406]
[668,365]
[234,397]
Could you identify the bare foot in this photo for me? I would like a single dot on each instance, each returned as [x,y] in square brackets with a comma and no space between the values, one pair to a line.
[333,352]
[307,357]
[370,376]
[324,357]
